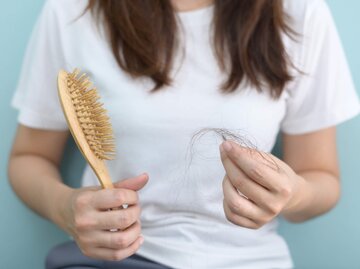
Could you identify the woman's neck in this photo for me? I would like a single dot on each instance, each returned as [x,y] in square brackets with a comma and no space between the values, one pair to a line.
[189,5]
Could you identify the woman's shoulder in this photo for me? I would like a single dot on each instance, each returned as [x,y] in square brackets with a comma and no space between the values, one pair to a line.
[66,10]
[305,12]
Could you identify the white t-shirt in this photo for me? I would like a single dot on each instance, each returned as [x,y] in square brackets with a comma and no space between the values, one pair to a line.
[183,221]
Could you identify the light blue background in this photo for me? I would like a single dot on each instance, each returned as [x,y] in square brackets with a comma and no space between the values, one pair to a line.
[331,241]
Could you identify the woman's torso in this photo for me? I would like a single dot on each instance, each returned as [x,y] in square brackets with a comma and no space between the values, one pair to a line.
[182,216]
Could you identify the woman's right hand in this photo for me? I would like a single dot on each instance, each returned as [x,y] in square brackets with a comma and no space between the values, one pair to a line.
[87,218]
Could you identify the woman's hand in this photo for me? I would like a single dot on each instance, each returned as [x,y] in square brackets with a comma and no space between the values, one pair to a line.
[257,186]
[87,218]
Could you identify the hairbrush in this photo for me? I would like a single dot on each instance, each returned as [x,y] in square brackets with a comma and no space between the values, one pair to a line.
[88,122]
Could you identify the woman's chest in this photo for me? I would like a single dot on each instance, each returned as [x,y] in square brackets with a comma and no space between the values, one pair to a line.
[192,102]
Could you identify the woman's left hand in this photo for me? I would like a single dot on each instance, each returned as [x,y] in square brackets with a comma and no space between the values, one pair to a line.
[257,186]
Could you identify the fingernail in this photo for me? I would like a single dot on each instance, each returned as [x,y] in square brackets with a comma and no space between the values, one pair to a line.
[141,239]
[227,146]
[143,174]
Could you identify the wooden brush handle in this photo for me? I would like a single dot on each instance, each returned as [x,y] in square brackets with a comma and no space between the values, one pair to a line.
[102,173]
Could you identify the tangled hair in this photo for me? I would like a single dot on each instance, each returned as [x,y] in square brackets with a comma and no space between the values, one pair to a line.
[247,40]
[237,136]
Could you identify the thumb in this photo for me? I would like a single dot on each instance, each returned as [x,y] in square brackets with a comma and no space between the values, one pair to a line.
[230,150]
[226,150]
[133,183]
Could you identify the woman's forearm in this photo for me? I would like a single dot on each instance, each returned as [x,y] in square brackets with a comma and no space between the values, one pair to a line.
[37,182]
[318,193]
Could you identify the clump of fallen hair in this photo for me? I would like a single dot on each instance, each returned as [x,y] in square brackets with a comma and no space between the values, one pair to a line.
[237,136]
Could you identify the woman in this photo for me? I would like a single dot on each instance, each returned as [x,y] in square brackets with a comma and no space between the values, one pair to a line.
[165,71]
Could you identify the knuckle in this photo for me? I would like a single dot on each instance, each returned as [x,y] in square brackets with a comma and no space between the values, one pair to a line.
[263,199]
[274,208]
[121,242]
[239,182]
[81,201]
[256,173]
[241,222]
[116,256]
[232,218]
[138,226]
[226,183]
[286,191]
[228,213]
[255,225]
[235,221]
[124,220]
[268,218]
[229,216]
[82,223]
[263,220]
[135,247]
[119,197]
[235,205]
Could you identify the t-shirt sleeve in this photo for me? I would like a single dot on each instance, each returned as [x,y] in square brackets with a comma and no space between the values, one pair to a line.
[36,94]
[323,95]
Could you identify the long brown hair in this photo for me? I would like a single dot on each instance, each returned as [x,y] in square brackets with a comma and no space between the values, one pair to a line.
[247,40]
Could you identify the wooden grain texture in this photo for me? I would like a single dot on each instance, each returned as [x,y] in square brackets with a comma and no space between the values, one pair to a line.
[98,165]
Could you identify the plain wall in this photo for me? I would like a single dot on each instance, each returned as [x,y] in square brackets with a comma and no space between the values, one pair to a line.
[330,241]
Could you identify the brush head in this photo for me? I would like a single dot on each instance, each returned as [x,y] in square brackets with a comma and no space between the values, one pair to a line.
[91,117]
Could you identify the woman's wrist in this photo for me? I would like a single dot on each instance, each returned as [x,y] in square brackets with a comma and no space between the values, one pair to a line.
[319,192]
[300,200]
[60,207]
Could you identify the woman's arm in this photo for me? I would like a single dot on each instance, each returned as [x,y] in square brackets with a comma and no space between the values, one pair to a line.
[313,156]
[83,213]
[302,186]
[33,171]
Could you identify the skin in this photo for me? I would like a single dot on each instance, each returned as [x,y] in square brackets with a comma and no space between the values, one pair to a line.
[82,213]
[188,5]
[301,187]
[304,185]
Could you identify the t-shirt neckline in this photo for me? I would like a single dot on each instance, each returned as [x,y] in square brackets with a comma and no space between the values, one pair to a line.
[199,16]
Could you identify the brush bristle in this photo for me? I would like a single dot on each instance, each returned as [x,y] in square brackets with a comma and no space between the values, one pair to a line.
[91,115]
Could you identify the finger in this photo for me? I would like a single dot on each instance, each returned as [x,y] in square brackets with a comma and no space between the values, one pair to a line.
[240,205]
[265,158]
[251,189]
[120,239]
[134,183]
[113,198]
[114,255]
[118,218]
[252,164]
[238,220]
